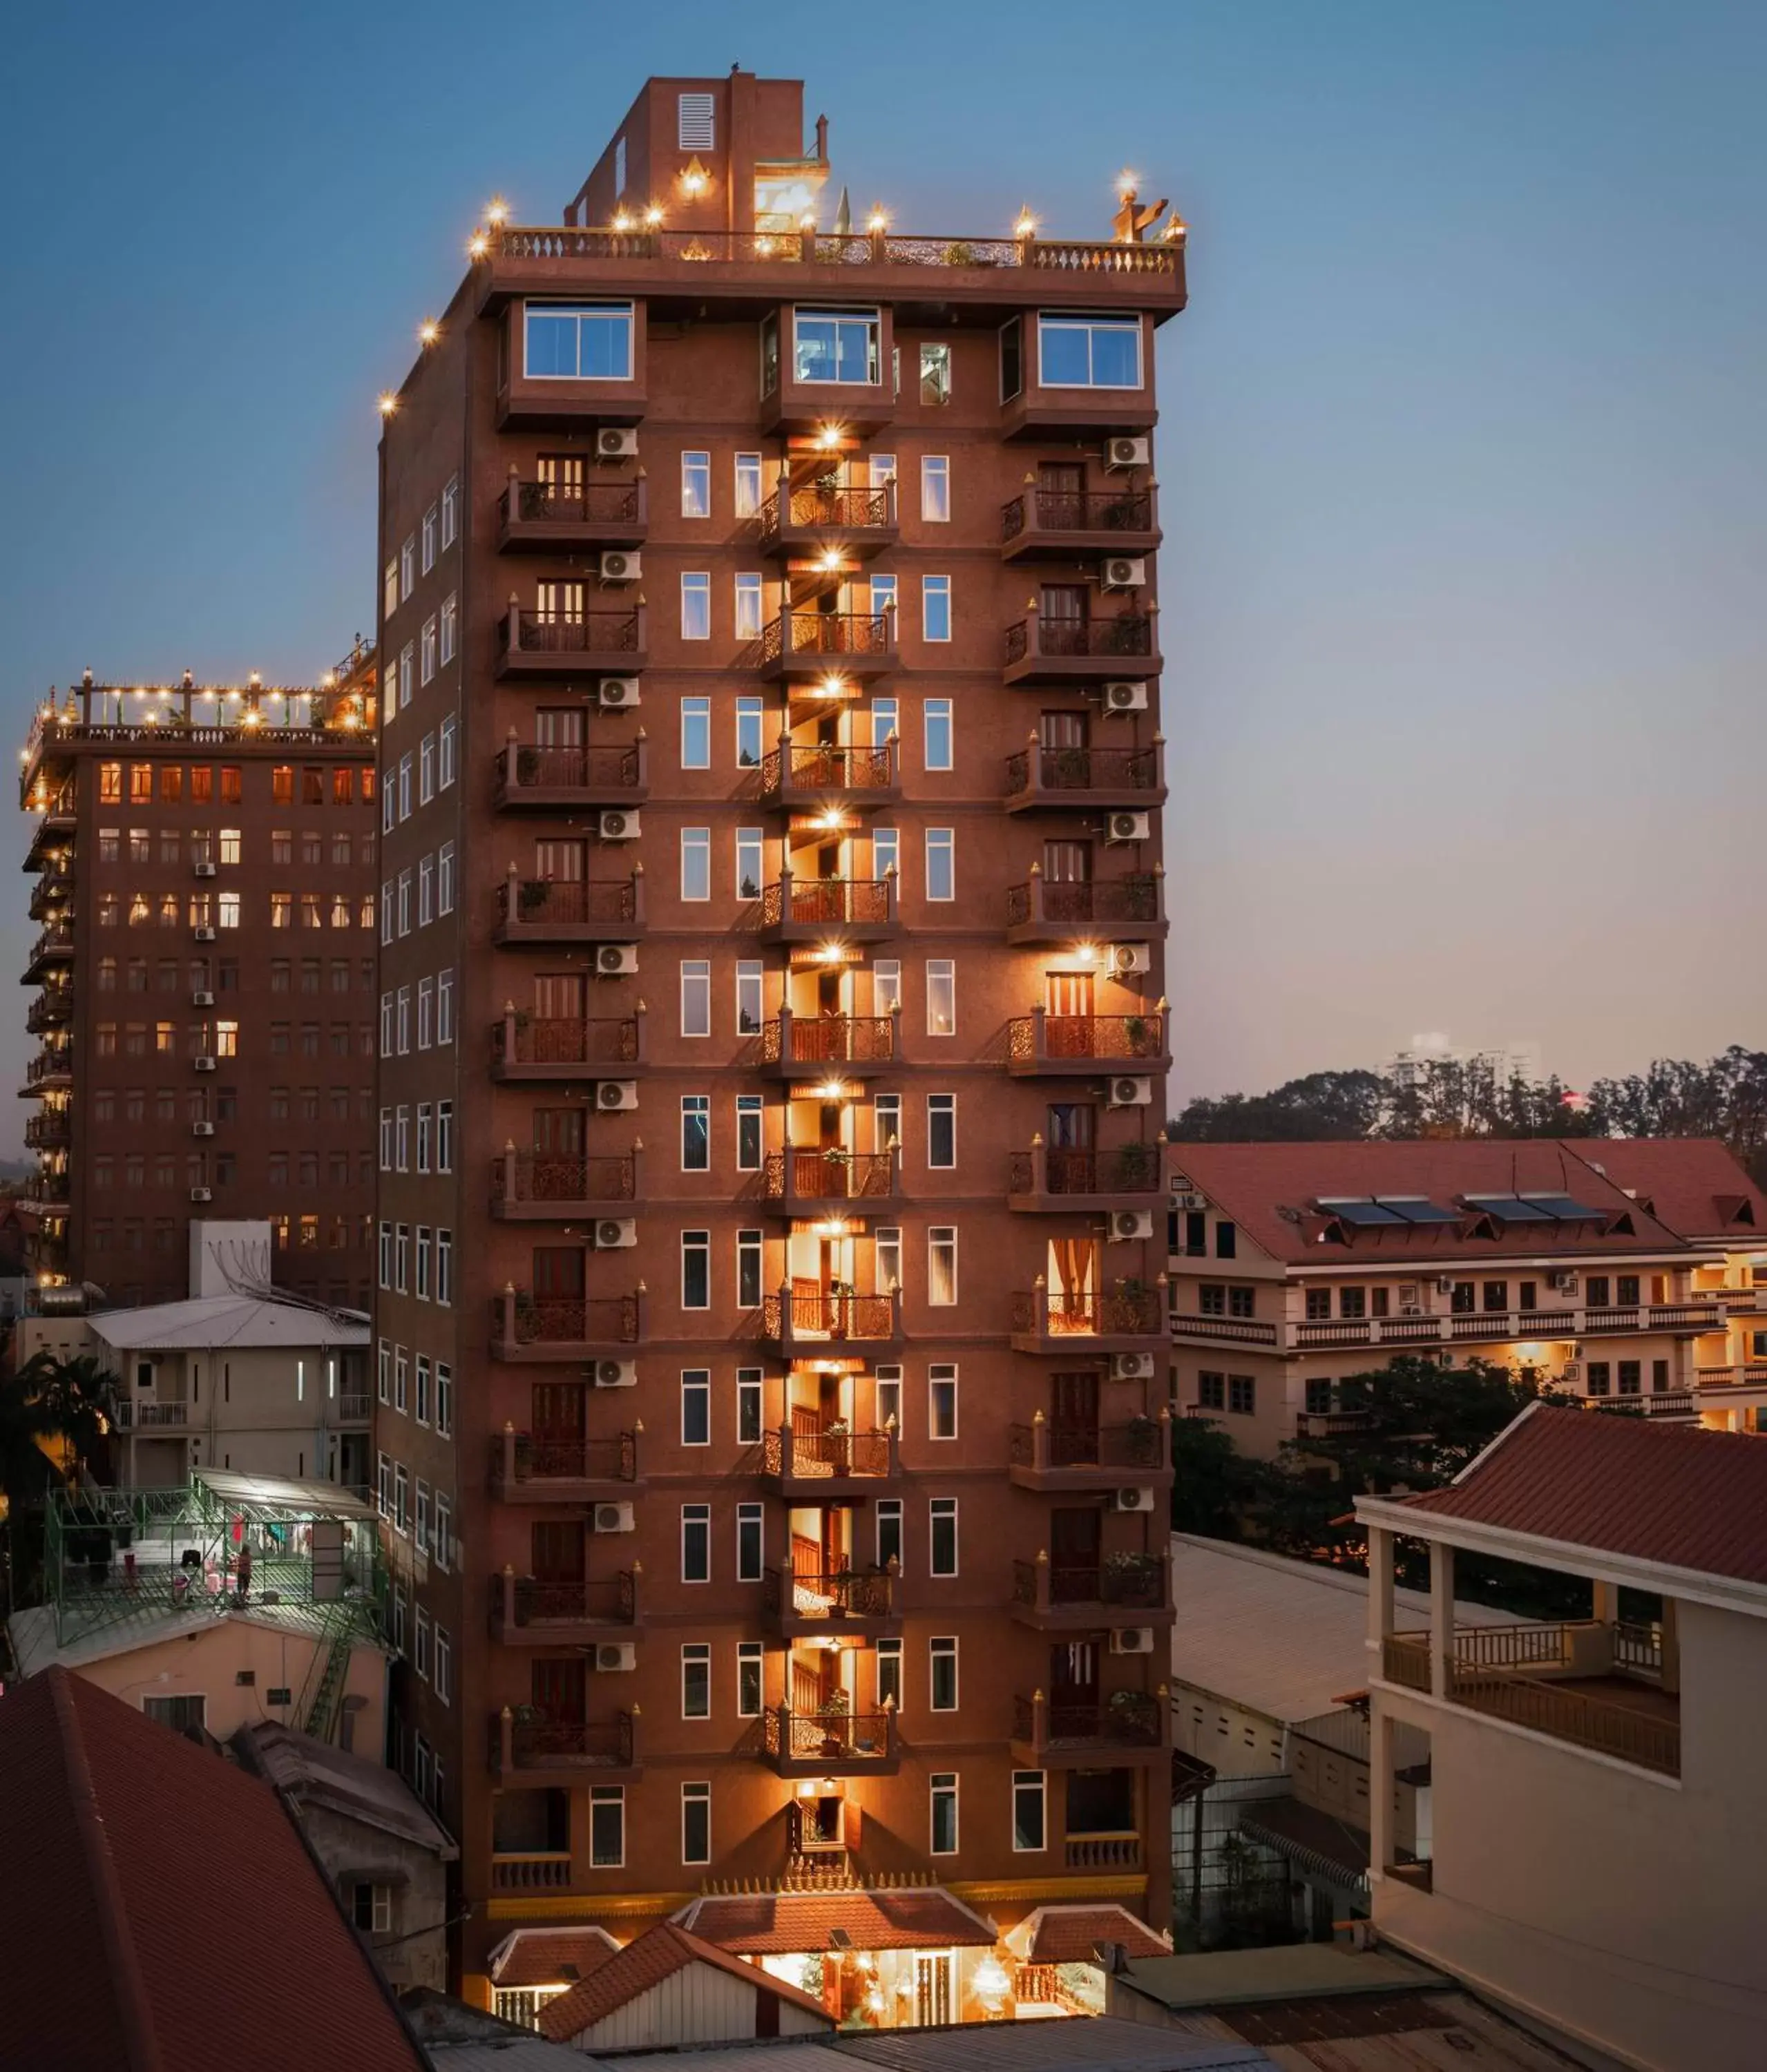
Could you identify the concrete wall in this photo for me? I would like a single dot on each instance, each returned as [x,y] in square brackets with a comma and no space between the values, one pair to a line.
[354,1853]
[696,2004]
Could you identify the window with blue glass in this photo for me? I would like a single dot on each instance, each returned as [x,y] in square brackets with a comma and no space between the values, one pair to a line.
[578,342]
[1089,353]
[836,345]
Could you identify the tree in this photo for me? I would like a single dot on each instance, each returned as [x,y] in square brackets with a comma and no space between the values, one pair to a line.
[1322,1106]
[1213,1485]
[51,1424]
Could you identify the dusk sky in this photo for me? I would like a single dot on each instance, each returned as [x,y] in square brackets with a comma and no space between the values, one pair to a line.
[1463,454]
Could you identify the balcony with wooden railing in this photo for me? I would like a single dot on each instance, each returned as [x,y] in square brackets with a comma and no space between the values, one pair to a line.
[571,779]
[1040,1045]
[1126,1319]
[50,1129]
[528,1467]
[1129,909]
[1053,1179]
[540,1186]
[1086,780]
[51,1067]
[1047,1454]
[529,1745]
[554,910]
[861,1602]
[837,1045]
[529,1612]
[797,1182]
[54,946]
[547,516]
[1063,524]
[1121,1590]
[551,1048]
[51,1009]
[844,644]
[806,779]
[527,1326]
[47,1192]
[1042,650]
[536,643]
[831,1465]
[1127,1727]
[811,1321]
[855,522]
[811,910]
[830,1742]
[49,892]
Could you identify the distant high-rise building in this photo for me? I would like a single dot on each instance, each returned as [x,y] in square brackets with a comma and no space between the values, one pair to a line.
[1502,1062]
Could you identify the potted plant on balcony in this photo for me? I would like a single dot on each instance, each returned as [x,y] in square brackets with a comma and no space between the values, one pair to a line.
[1135,1031]
[836,1450]
[1143,1440]
[527,766]
[1132,1578]
[1139,1166]
[531,896]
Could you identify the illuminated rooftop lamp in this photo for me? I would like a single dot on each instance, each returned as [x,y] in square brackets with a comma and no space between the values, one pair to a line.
[876,222]
[1026,224]
[428,331]
[387,403]
[477,245]
[497,211]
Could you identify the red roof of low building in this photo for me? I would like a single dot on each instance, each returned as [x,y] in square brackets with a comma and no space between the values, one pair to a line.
[1273,1192]
[1677,1494]
[164,1908]
[644,1962]
[915,1918]
[1068,1934]
[1693,1184]
[551,1956]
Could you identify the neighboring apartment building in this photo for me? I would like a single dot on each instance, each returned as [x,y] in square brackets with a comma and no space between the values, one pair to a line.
[784,1177]
[204,874]
[1594,1859]
[1296,1265]
[1501,1065]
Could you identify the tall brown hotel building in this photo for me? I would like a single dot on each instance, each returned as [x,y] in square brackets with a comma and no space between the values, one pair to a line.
[772,1410]
[203,867]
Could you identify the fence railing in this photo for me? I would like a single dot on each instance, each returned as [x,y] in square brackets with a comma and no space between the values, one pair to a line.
[1122,1312]
[843,510]
[1128,636]
[823,1176]
[546,1176]
[832,1735]
[1077,511]
[519,1317]
[828,1039]
[536,902]
[1083,769]
[1123,1038]
[816,769]
[1162,260]
[834,634]
[523,1039]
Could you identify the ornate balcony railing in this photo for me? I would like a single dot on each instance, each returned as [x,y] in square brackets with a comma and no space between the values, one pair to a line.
[1128,636]
[53,1128]
[519,1317]
[830,1039]
[523,1039]
[1082,770]
[529,631]
[816,769]
[828,902]
[589,503]
[1119,1037]
[536,902]
[833,1736]
[816,248]
[520,1458]
[525,767]
[1078,511]
[830,1593]
[834,510]
[610,1601]
[1140,1444]
[1128,1719]
[524,1740]
[834,634]
[1094,901]
[1131,1169]
[56,1064]
[1124,1313]
[818,1455]
[823,1176]
[546,1176]
[827,1316]
[1135,1582]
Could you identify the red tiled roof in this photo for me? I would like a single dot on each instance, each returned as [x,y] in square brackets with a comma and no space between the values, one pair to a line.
[1693,1184]
[538,1956]
[1677,1494]
[164,1908]
[764,1923]
[1254,1183]
[1066,1935]
[646,1961]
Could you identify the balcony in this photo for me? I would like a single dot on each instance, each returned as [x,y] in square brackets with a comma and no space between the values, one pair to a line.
[810,1323]
[810,779]
[1670,1402]
[525,1326]
[543,1186]
[1129,1727]
[1127,1320]
[808,644]
[539,644]
[571,779]
[352,1406]
[830,1744]
[824,1466]
[1041,652]
[49,892]
[859,1602]
[47,1194]
[1716,1381]
[52,1008]
[1123,1589]
[549,1049]
[797,1182]
[527,1746]
[1597,1686]
[529,1470]
[1064,525]
[1128,910]
[1045,1455]
[55,946]
[1471,1327]
[854,522]
[1085,780]
[527,1613]
[551,910]
[845,1046]
[49,1130]
[1043,1046]
[1046,1180]
[546,515]
[130,1413]
[859,909]
[49,1068]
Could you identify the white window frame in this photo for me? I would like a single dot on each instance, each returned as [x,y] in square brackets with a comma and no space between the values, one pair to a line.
[696,475]
[932,588]
[936,489]
[696,593]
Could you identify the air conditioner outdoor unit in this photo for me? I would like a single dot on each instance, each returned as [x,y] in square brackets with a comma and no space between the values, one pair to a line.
[1411,1309]
[617,693]
[619,825]
[1564,1283]
[1131,1223]
[1122,697]
[201,1194]
[617,442]
[1124,572]
[1135,1499]
[202,1000]
[621,565]
[616,1374]
[1131,1367]
[204,869]
[1187,1198]
[614,1518]
[1132,1640]
[616,960]
[1127,827]
[1445,1284]
[615,1655]
[1131,1093]
[202,1129]
[616,1094]
[1129,960]
[616,1233]
[203,935]
[203,1064]
[1128,452]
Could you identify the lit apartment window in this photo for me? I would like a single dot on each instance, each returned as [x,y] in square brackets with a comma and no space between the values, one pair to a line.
[889,1674]
[695,484]
[836,346]
[940,997]
[941,1266]
[1089,353]
[578,342]
[695,605]
[748,484]
[748,608]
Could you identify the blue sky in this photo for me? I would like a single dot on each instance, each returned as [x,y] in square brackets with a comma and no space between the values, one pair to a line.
[1464,454]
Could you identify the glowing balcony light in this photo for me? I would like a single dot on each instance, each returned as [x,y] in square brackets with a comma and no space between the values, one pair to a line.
[428,331]
[477,245]
[386,403]
[497,211]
